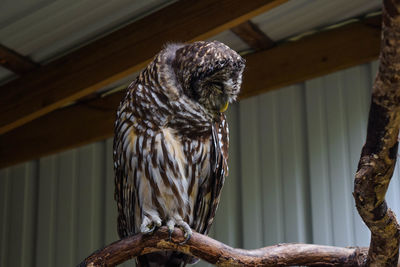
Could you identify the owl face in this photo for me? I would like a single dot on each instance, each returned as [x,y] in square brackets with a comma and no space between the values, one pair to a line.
[210,73]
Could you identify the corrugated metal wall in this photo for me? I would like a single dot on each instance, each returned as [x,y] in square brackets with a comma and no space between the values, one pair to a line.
[293,157]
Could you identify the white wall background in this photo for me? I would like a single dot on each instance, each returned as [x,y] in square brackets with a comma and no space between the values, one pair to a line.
[293,156]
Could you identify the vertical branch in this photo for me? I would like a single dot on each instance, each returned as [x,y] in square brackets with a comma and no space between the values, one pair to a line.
[378,156]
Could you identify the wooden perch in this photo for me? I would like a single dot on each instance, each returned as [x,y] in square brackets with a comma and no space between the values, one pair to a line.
[220,254]
[375,169]
[379,154]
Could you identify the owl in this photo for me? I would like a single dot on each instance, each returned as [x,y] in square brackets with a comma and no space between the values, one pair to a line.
[171,143]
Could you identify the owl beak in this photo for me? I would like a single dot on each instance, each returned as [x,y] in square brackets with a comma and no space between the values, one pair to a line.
[224,107]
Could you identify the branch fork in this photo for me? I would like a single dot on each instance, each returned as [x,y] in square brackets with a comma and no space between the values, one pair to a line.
[220,254]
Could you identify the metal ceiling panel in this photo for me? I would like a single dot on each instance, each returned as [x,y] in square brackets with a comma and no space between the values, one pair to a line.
[298,16]
[232,40]
[57,27]
[12,10]
[45,29]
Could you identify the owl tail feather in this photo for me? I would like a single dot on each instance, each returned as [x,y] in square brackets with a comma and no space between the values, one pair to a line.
[165,258]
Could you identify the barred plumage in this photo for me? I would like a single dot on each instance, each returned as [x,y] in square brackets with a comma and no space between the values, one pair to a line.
[171,142]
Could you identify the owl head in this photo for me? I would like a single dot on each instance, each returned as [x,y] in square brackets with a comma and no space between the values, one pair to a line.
[209,73]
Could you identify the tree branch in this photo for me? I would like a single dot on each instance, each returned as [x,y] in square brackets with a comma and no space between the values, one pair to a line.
[379,154]
[220,254]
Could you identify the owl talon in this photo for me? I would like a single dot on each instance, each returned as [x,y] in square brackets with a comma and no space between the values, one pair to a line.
[186,229]
[149,229]
[150,225]
[181,224]
[170,225]
[170,234]
[188,236]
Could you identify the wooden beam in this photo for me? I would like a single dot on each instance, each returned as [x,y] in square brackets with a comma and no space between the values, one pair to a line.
[15,62]
[282,65]
[122,52]
[312,56]
[253,36]
[60,130]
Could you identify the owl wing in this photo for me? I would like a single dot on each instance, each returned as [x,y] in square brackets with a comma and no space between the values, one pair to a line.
[125,194]
[209,191]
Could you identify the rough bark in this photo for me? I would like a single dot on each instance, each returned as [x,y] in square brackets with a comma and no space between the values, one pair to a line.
[220,254]
[378,156]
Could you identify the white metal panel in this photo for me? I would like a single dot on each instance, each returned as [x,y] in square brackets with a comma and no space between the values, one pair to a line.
[298,16]
[54,27]
[75,212]
[15,9]
[46,212]
[337,118]
[18,229]
[90,187]
[66,209]
[250,173]
[321,204]
[232,40]
[271,172]
[338,165]
[294,169]
[5,191]
[274,173]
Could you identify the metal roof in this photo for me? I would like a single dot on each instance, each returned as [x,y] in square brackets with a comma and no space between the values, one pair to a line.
[298,16]
[47,29]
[51,28]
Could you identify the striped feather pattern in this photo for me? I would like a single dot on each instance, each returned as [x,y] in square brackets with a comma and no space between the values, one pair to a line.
[170,157]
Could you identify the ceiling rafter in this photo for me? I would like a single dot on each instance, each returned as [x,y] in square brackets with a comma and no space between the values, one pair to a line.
[251,34]
[15,62]
[118,54]
[312,56]
[282,65]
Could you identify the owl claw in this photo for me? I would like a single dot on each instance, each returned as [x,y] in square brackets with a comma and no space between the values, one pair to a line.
[149,226]
[170,225]
[188,236]
[170,235]
[186,229]
[148,229]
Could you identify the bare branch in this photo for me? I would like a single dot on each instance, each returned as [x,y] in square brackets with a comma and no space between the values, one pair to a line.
[220,254]
[378,156]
